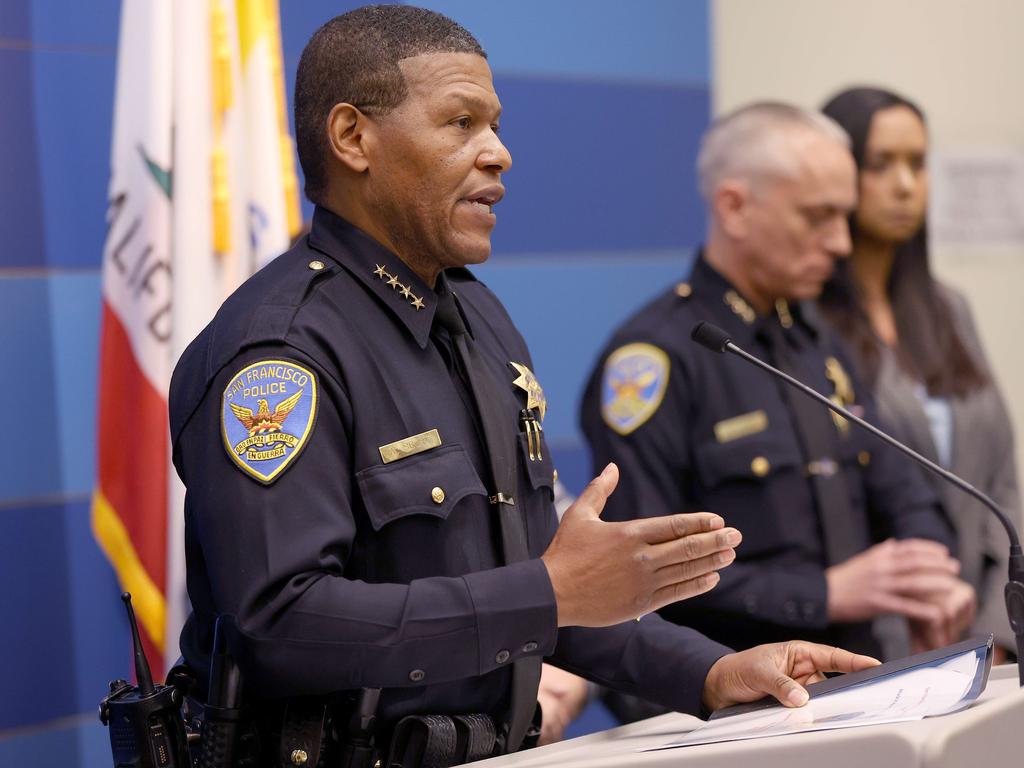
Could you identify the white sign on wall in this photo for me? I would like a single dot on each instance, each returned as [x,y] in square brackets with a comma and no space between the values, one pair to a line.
[977,196]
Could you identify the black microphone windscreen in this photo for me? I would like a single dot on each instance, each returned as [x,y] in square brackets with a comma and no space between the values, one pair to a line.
[710,336]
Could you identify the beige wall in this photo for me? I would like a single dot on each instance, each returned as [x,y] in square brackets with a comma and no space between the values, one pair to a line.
[961,60]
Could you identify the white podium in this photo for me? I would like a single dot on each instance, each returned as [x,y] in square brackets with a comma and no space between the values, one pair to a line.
[989,733]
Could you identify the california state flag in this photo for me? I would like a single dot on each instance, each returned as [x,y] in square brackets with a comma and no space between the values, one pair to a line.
[202,193]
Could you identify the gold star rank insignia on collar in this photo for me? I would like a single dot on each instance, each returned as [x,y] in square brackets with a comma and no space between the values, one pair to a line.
[527,382]
[382,272]
[739,305]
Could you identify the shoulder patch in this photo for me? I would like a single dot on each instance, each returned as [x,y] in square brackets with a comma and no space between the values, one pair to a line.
[267,416]
[634,383]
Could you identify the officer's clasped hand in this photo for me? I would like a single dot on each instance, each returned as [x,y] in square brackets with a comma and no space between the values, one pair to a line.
[605,573]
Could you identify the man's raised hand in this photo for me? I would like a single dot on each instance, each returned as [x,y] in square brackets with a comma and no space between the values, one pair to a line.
[605,573]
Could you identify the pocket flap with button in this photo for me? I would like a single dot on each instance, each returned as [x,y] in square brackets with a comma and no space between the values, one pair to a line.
[429,483]
[750,458]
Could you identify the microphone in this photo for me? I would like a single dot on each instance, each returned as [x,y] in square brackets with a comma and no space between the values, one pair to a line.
[717,340]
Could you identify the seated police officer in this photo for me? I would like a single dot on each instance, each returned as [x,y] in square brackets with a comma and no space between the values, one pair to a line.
[368,485]
[837,527]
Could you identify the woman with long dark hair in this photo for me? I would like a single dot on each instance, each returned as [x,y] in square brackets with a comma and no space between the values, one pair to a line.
[915,339]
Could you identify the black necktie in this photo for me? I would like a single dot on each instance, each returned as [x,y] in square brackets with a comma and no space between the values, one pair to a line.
[501,442]
[817,435]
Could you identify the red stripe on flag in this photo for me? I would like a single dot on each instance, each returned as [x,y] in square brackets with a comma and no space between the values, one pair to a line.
[132,459]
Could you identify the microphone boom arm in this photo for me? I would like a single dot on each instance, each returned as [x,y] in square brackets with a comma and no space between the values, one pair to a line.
[963,485]
[717,340]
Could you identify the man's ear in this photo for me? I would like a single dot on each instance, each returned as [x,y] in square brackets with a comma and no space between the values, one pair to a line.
[346,127]
[731,203]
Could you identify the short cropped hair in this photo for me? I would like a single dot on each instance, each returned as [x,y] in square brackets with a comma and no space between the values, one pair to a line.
[353,59]
[750,143]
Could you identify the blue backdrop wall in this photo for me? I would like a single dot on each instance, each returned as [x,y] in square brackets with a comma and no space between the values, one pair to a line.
[604,103]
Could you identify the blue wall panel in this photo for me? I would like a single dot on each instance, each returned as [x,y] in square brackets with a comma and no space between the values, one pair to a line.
[38,632]
[74,97]
[21,204]
[75,302]
[647,40]
[56,747]
[102,640]
[92,24]
[15,20]
[599,166]
[30,459]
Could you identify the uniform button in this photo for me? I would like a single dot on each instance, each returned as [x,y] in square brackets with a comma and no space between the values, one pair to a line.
[683,289]
[760,466]
[530,647]
[417,675]
[554,477]
[437,494]
[502,656]
[316,266]
[864,458]
[299,757]
[750,603]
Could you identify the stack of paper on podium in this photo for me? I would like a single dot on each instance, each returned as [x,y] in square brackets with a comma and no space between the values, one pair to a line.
[982,727]
[929,684]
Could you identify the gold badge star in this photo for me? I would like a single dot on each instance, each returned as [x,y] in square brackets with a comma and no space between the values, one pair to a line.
[380,271]
[529,384]
[418,303]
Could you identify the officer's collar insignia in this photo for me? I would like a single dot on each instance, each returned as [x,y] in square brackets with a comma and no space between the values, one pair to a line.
[740,306]
[635,379]
[404,290]
[784,315]
[527,382]
[843,394]
[267,416]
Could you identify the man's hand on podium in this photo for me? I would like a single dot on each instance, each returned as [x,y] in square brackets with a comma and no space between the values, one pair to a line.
[780,670]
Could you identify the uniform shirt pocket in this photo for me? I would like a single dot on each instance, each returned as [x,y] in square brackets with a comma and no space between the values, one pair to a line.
[536,457]
[753,458]
[429,483]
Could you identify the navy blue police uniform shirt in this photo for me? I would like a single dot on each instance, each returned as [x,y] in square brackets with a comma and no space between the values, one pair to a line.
[345,532]
[693,430]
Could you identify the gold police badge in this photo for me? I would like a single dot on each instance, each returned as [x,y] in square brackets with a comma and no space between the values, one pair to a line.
[527,382]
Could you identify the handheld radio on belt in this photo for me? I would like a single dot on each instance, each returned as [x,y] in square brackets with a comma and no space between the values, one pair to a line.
[145,722]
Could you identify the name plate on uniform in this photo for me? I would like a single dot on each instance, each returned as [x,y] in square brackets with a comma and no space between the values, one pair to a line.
[741,426]
[408,446]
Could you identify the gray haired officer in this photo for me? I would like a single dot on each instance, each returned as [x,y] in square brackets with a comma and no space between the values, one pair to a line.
[837,528]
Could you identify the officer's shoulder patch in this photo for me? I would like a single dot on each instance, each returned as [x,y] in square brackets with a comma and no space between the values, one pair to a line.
[634,383]
[267,416]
